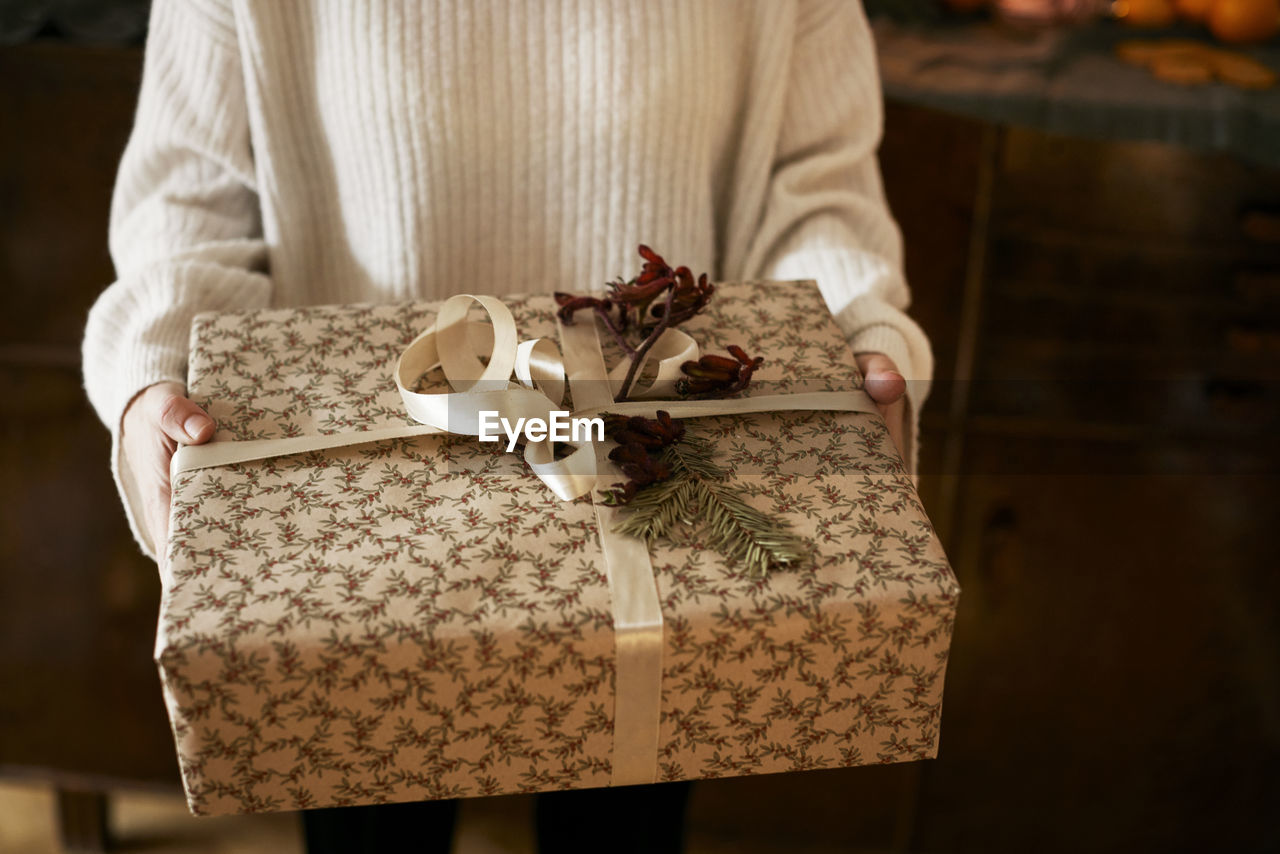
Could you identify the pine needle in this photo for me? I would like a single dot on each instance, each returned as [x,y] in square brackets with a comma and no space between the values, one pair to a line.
[695,495]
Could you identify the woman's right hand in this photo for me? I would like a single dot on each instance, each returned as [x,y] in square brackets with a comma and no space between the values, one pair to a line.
[156,420]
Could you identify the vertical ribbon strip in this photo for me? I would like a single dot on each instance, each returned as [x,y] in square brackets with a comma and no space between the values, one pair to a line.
[637,614]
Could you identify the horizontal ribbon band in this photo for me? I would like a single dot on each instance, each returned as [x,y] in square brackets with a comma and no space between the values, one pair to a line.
[230,452]
[478,361]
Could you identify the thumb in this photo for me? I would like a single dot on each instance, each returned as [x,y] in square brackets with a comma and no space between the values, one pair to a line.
[882,379]
[182,420]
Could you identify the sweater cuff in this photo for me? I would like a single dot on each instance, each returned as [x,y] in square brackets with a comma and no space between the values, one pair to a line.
[139,330]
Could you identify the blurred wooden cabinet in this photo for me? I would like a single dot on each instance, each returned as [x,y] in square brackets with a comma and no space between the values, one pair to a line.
[1115,677]
[79,699]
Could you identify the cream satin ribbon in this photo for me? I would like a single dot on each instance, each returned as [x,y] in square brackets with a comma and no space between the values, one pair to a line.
[478,361]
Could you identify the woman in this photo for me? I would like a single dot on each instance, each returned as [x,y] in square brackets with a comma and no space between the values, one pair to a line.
[287,153]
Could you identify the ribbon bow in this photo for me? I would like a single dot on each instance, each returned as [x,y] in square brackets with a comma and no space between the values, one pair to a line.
[478,360]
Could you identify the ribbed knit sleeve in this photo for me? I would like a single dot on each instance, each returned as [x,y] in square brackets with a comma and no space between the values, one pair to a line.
[825,216]
[185,231]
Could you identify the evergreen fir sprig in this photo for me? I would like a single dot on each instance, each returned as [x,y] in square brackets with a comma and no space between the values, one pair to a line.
[695,494]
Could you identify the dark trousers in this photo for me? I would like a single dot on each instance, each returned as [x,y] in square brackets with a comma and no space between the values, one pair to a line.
[626,820]
[425,827]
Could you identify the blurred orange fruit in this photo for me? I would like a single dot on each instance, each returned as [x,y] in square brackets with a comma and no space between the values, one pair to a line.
[1240,21]
[1193,10]
[1145,13]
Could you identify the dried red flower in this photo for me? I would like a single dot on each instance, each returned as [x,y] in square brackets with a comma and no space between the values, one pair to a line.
[571,303]
[647,432]
[657,299]
[637,437]
[690,298]
[717,376]
[637,295]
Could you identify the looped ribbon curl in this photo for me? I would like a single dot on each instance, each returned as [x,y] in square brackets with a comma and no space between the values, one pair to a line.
[457,345]
[478,360]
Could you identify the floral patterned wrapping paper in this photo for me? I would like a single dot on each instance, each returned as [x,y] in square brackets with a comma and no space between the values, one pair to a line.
[422,618]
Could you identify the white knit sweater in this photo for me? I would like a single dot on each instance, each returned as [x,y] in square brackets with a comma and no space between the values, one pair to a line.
[290,152]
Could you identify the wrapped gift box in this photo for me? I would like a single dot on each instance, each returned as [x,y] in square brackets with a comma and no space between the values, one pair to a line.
[422,618]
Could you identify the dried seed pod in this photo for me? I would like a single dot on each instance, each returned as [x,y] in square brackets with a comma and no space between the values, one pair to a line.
[718,376]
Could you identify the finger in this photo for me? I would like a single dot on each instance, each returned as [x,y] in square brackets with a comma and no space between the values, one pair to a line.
[881,377]
[182,420]
[145,455]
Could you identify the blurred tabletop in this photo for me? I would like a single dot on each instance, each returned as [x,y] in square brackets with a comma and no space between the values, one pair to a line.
[1069,80]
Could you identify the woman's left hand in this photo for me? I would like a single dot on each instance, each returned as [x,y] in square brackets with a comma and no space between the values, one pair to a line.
[888,388]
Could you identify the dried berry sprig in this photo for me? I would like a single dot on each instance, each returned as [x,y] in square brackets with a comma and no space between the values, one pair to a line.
[716,376]
[639,301]
[649,432]
[641,470]
[629,301]
[688,298]
[637,359]
[637,436]
[637,295]
[603,308]
[654,301]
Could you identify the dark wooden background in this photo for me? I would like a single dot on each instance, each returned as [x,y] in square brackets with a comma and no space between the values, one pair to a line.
[1108,495]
